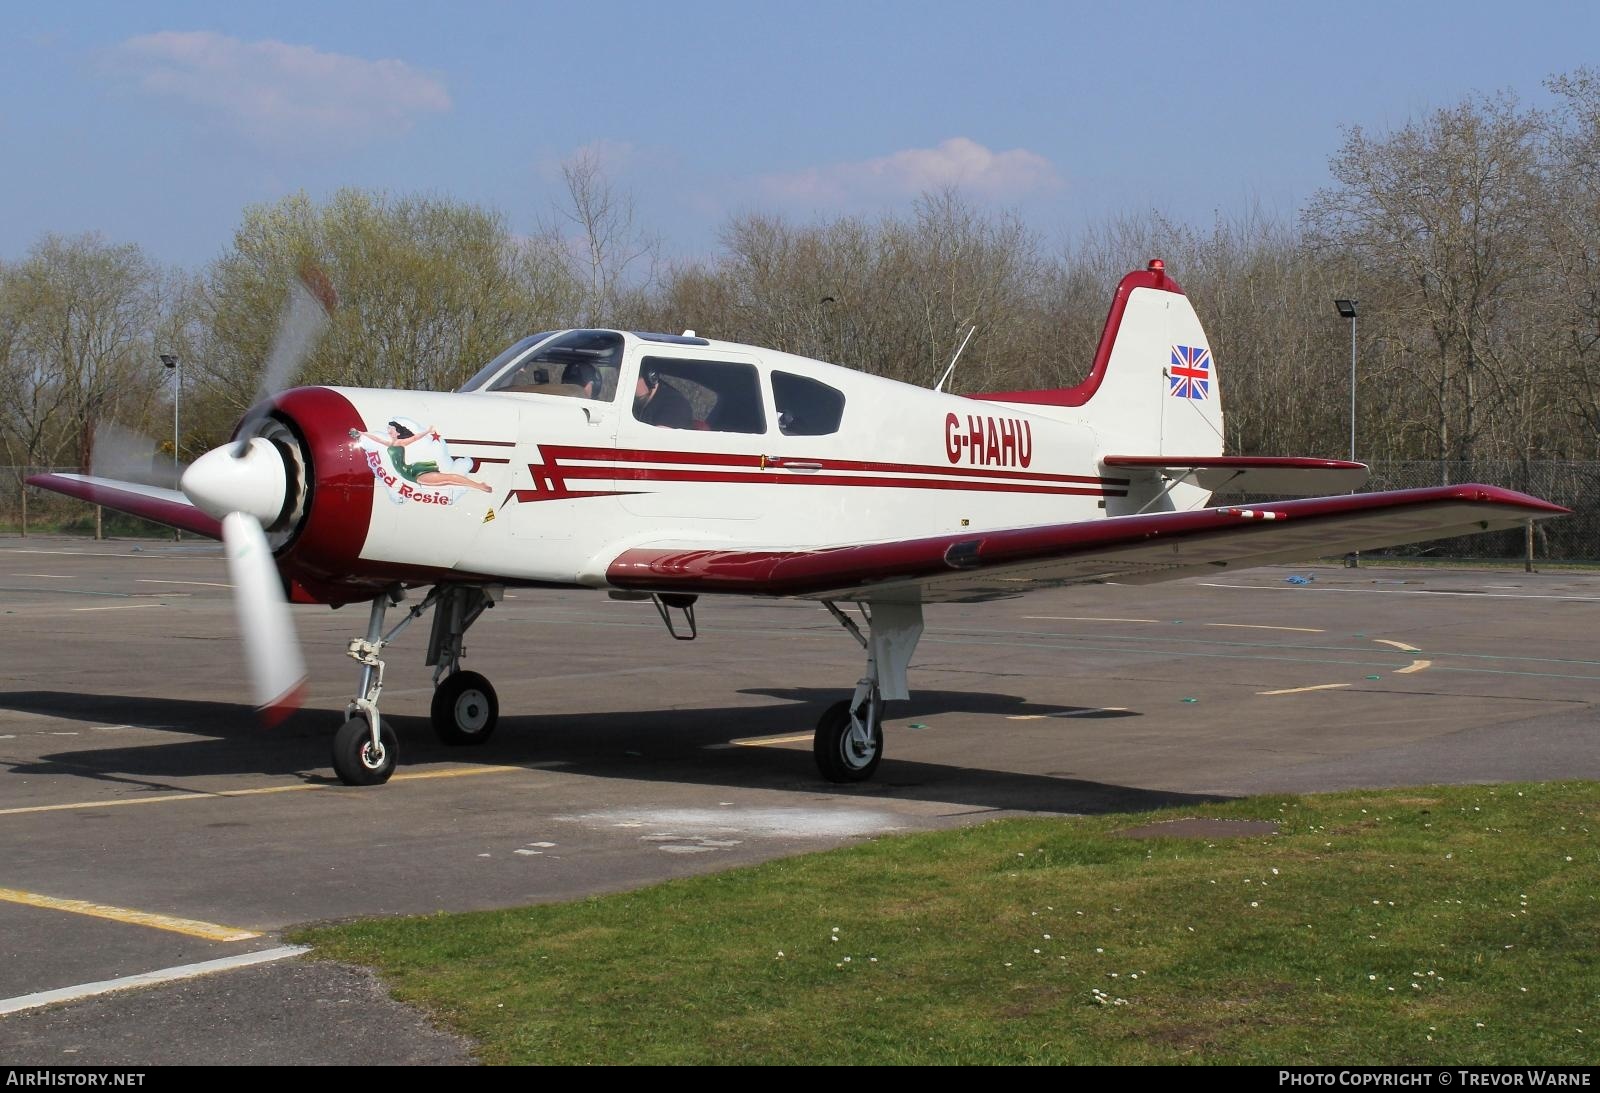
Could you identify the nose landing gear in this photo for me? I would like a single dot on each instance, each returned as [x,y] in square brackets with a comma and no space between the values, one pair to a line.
[465,707]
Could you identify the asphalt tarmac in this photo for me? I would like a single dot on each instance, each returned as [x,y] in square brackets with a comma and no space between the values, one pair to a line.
[150,824]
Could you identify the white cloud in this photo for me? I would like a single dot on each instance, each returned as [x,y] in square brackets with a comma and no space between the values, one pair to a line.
[275,92]
[955,162]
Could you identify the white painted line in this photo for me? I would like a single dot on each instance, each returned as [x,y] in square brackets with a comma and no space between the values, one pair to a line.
[147,979]
[1398,592]
[1260,626]
[115,557]
[1081,618]
[1302,690]
[1400,645]
[202,584]
[47,576]
[120,607]
[1414,666]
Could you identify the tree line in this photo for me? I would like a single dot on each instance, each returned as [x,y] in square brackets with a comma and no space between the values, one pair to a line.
[1470,239]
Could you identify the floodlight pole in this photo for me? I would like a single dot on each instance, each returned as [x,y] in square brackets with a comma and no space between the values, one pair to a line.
[171,361]
[1347,309]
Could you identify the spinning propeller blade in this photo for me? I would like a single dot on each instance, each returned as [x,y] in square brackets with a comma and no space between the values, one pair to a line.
[130,456]
[277,671]
[304,317]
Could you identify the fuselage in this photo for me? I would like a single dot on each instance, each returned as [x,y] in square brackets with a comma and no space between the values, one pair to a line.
[528,477]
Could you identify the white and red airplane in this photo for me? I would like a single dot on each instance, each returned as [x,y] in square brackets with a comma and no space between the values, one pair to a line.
[669,467]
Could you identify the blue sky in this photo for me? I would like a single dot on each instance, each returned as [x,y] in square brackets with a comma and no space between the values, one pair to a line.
[157,122]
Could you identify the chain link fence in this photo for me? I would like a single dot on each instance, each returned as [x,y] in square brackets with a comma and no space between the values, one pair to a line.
[1574,538]
[28,510]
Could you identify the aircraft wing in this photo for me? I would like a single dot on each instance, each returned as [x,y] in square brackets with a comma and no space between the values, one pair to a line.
[164,506]
[1126,549]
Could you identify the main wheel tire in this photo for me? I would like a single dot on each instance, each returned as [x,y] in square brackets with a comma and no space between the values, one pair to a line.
[356,760]
[465,709]
[838,757]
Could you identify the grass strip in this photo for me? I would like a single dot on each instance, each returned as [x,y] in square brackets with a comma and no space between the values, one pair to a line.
[1440,925]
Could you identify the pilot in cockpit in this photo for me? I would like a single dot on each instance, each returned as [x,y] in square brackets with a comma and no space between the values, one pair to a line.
[584,376]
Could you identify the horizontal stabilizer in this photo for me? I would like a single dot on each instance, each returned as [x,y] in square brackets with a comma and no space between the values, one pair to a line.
[163,506]
[1288,476]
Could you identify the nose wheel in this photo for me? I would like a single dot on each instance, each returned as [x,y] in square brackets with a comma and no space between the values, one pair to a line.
[361,760]
[465,709]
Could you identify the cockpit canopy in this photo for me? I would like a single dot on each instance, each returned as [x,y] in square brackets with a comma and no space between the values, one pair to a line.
[695,391]
[577,363]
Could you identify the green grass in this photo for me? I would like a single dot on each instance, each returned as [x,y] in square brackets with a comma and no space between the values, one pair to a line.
[1426,926]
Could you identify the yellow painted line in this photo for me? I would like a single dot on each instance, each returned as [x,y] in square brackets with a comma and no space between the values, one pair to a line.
[454,772]
[764,741]
[1259,626]
[1400,645]
[1069,713]
[192,927]
[1302,690]
[120,607]
[416,776]
[1081,618]
[1414,666]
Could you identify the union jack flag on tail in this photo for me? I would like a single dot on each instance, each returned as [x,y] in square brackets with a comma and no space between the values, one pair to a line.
[1190,372]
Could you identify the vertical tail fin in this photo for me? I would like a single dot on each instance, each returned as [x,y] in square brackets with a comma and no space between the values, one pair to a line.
[1153,389]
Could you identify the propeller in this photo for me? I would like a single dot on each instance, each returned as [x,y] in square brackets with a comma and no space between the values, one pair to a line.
[131,456]
[271,647]
[304,317]
[245,484]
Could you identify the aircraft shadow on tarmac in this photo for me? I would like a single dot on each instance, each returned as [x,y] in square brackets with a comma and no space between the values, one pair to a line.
[640,745]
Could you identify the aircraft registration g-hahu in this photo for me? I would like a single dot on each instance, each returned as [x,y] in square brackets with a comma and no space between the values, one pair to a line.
[669,467]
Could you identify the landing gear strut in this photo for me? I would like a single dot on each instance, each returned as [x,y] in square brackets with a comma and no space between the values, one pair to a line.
[465,708]
[849,739]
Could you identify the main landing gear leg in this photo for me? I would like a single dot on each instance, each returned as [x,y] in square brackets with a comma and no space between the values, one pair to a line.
[849,738]
[465,708]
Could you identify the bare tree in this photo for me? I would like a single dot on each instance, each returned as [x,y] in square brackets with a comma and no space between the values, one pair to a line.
[609,251]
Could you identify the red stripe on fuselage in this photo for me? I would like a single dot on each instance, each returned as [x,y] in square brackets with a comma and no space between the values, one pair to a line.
[551,477]
[656,474]
[722,459]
